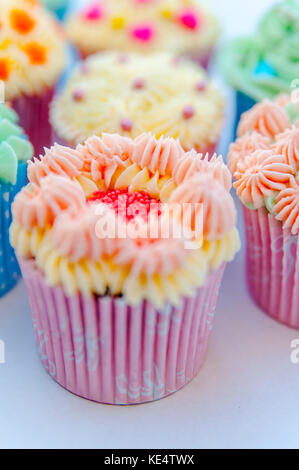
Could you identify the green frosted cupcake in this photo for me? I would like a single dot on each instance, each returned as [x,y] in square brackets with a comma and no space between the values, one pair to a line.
[265,64]
[15,150]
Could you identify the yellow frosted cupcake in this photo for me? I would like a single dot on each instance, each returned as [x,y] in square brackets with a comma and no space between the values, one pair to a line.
[145,26]
[32,58]
[132,94]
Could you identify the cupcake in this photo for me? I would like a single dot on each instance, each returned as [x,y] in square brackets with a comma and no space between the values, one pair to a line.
[264,162]
[15,150]
[145,26]
[264,65]
[132,94]
[31,60]
[122,244]
[59,7]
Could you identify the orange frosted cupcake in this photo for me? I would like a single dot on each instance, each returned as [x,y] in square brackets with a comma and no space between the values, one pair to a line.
[32,58]
[122,244]
[264,162]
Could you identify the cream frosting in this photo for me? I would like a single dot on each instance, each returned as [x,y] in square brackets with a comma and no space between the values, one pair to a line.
[65,230]
[144,26]
[264,161]
[173,99]
[32,52]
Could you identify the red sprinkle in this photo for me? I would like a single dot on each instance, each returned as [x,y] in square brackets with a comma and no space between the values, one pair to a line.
[126,124]
[201,85]
[138,84]
[78,95]
[128,205]
[189,19]
[188,112]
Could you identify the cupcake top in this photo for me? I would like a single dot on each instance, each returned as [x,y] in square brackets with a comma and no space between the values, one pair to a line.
[264,160]
[138,218]
[131,94]
[264,65]
[31,48]
[14,146]
[144,26]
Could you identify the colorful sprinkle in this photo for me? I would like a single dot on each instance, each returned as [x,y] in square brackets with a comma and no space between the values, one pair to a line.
[4,69]
[127,125]
[36,52]
[84,68]
[93,12]
[189,19]
[143,33]
[21,21]
[118,22]
[201,85]
[78,95]
[188,111]
[138,84]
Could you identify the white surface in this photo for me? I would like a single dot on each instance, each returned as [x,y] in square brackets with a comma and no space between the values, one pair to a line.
[245,395]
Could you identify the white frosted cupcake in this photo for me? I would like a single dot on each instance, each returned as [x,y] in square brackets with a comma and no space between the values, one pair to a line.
[132,94]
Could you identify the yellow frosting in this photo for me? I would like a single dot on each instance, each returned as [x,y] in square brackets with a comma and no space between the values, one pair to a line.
[102,96]
[112,29]
[32,52]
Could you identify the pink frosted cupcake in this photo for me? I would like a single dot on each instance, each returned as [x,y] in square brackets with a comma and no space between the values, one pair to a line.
[31,60]
[145,27]
[264,162]
[122,244]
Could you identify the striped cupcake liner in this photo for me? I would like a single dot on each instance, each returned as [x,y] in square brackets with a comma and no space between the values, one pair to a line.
[272,259]
[104,350]
[9,268]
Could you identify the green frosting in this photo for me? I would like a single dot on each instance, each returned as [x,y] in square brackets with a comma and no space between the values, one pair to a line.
[14,146]
[270,202]
[264,65]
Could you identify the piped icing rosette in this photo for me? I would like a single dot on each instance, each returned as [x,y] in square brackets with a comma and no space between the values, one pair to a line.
[132,94]
[31,48]
[264,160]
[138,218]
[144,26]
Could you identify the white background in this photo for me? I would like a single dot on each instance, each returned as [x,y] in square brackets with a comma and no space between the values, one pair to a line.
[245,396]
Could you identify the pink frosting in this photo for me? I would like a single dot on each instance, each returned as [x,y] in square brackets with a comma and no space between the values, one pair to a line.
[219,214]
[157,155]
[287,207]
[192,163]
[58,160]
[245,146]
[261,175]
[287,144]
[267,118]
[38,206]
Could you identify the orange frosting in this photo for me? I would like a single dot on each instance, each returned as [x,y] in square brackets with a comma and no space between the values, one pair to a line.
[244,146]
[267,118]
[287,144]
[261,175]
[287,207]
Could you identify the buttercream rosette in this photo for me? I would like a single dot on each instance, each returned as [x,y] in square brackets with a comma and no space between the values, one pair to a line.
[32,58]
[264,162]
[133,94]
[124,235]
[145,26]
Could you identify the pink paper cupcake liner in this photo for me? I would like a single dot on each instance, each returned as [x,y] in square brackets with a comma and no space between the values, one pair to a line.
[33,114]
[272,259]
[106,351]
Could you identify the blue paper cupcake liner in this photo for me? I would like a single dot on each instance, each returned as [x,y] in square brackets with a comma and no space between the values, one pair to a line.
[243,104]
[9,268]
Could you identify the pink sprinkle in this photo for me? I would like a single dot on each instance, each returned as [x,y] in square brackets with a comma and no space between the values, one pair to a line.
[138,84]
[84,68]
[78,95]
[93,11]
[189,19]
[126,125]
[188,111]
[201,85]
[143,33]
[123,59]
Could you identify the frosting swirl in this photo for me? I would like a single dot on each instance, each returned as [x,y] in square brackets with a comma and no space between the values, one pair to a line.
[286,207]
